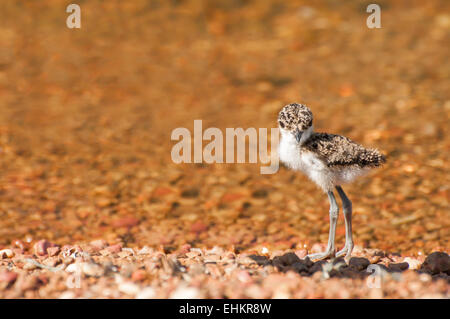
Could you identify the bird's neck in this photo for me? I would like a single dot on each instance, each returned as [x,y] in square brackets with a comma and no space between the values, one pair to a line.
[306,135]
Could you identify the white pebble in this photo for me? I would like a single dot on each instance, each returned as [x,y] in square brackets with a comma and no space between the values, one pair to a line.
[67,295]
[185,293]
[413,263]
[145,251]
[129,288]
[146,293]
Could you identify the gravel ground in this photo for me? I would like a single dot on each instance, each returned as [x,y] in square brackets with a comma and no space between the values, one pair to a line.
[87,181]
[99,270]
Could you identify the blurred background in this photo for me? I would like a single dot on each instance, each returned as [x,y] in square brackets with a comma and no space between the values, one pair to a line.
[86,117]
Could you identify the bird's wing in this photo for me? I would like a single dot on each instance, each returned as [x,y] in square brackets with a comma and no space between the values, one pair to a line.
[337,150]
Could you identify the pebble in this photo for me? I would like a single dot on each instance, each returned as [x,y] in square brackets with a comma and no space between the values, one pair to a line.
[124,254]
[40,248]
[6,253]
[128,222]
[193,254]
[437,262]
[412,263]
[114,248]
[398,267]
[244,276]
[53,251]
[67,295]
[138,275]
[129,288]
[8,276]
[146,293]
[51,261]
[374,259]
[145,251]
[198,227]
[99,244]
[184,292]
[196,269]
[286,260]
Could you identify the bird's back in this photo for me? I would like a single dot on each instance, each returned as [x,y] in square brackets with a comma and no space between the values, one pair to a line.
[336,150]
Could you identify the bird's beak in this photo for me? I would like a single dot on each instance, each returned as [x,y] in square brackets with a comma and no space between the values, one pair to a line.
[298,135]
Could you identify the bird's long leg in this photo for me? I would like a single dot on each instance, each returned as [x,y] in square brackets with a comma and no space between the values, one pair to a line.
[347,208]
[334,212]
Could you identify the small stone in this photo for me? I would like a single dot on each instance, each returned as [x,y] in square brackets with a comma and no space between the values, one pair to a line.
[99,244]
[68,260]
[146,293]
[40,248]
[285,260]
[398,266]
[185,293]
[8,276]
[359,263]
[51,261]
[412,263]
[6,253]
[19,244]
[128,222]
[192,254]
[196,269]
[198,227]
[300,266]
[436,263]
[53,251]
[139,275]
[29,283]
[124,254]
[244,276]
[129,288]
[374,259]
[114,248]
[145,251]
[67,295]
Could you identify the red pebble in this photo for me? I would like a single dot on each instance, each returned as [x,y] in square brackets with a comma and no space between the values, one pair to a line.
[53,251]
[198,227]
[117,248]
[40,248]
[8,276]
[185,249]
[138,275]
[128,221]
[99,244]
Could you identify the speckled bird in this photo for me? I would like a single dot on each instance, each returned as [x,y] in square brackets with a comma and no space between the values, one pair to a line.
[329,160]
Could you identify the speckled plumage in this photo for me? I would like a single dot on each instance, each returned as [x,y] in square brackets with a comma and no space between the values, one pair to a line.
[337,150]
[327,159]
[295,115]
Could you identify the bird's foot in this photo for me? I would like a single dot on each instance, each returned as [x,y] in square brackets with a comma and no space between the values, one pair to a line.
[329,253]
[347,251]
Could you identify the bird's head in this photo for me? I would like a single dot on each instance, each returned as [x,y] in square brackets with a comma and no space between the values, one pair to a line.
[296,120]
